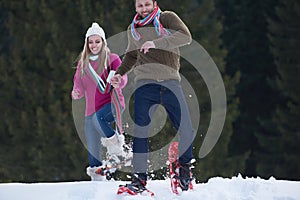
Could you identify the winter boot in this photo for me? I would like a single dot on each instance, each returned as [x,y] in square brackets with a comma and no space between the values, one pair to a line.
[137,185]
[114,144]
[92,172]
[185,176]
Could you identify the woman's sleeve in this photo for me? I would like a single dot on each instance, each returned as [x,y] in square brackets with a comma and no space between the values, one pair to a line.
[78,88]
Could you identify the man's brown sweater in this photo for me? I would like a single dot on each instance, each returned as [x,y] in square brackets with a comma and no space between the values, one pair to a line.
[163,62]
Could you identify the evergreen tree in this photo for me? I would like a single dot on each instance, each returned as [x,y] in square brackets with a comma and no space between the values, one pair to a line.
[206,29]
[245,38]
[5,85]
[44,143]
[117,15]
[280,157]
[4,39]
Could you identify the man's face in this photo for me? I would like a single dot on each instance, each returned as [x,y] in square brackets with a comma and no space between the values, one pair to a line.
[144,7]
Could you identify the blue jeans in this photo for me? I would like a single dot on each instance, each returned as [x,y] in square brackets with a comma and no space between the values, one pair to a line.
[106,118]
[148,94]
[98,125]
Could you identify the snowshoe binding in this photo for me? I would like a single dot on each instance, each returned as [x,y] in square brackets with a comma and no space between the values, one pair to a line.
[137,186]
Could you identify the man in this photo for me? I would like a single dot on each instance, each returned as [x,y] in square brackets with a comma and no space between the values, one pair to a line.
[154,38]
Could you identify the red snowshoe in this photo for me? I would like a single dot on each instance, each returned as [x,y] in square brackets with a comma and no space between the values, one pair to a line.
[180,175]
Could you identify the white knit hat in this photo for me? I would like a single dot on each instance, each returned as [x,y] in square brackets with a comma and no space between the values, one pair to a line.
[95,29]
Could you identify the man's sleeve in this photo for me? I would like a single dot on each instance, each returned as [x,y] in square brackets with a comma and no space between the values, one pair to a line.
[130,56]
[180,34]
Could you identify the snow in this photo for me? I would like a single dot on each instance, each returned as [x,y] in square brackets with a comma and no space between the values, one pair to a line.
[218,188]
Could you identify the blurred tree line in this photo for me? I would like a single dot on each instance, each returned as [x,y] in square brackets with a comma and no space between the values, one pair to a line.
[253,43]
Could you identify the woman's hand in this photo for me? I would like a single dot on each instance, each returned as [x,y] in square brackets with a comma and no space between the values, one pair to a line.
[75,94]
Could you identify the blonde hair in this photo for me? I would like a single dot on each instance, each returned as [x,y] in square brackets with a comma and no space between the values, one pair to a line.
[103,57]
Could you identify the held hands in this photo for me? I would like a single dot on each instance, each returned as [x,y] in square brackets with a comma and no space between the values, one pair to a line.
[116,80]
[147,46]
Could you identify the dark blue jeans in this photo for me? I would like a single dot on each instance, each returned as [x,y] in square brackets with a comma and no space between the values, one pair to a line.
[169,94]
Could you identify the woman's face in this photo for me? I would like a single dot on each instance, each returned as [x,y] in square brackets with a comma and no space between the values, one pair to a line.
[95,44]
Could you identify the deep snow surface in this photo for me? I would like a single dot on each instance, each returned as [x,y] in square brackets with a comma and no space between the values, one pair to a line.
[236,188]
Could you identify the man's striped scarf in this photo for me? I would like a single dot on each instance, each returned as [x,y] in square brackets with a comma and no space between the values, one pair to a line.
[152,17]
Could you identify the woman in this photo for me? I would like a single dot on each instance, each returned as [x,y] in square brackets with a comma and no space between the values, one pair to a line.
[91,80]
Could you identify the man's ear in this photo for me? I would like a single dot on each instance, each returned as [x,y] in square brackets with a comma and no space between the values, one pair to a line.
[155,4]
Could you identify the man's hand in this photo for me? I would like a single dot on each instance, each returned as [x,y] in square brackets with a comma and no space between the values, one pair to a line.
[147,46]
[116,80]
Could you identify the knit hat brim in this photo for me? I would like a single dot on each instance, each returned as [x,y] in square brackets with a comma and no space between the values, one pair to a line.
[95,29]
